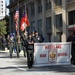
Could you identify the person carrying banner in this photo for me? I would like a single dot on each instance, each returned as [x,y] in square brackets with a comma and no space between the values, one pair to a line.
[30,50]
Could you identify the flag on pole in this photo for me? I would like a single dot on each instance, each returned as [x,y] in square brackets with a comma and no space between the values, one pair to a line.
[24,20]
[16,18]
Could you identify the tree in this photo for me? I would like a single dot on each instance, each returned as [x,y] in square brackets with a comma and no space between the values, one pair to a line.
[3,27]
[7,24]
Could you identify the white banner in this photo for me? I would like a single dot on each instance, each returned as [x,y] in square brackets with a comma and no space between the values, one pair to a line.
[52,54]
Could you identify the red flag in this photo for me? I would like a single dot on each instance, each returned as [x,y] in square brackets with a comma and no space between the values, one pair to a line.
[24,20]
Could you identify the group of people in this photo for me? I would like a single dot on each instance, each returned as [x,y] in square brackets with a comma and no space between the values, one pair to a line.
[71,38]
[23,41]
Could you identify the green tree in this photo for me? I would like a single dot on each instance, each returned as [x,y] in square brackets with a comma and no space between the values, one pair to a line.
[3,27]
[7,24]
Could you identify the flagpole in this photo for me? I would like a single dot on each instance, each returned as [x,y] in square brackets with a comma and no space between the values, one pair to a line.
[18,27]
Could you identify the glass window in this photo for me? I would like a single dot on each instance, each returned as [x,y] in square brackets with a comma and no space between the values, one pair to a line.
[71,17]
[69,0]
[1,1]
[48,4]
[58,20]
[32,9]
[33,26]
[48,23]
[40,26]
[39,6]
[58,2]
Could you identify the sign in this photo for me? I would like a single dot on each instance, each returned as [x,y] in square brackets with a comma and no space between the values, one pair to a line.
[52,54]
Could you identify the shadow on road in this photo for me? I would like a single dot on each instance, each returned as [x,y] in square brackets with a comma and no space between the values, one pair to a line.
[21,65]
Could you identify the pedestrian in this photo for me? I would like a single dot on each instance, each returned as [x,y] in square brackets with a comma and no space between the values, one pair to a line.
[30,50]
[71,38]
[11,45]
[19,44]
[37,38]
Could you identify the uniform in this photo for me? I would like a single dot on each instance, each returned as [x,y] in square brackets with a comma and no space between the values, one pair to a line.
[11,45]
[19,44]
[30,51]
[71,38]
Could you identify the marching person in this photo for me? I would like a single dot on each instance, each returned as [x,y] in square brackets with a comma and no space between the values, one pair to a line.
[11,45]
[71,38]
[30,50]
[37,38]
[19,44]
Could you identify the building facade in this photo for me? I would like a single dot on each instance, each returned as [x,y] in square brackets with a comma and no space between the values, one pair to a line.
[2,9]
[53,19]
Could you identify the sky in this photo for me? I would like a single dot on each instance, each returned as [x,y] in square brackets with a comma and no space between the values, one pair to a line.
[7,1]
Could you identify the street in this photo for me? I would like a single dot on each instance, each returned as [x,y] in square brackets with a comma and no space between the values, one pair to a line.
[18,66]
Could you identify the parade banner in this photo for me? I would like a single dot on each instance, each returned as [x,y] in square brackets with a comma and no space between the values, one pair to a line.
[46,54]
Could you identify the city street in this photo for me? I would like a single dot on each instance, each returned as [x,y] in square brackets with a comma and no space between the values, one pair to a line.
[18,66]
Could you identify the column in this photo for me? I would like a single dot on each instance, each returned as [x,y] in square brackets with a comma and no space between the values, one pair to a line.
[36,13]
[43,20]
[64,21]
[53,22]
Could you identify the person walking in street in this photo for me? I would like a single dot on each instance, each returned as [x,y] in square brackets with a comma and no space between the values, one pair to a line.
[71,38]
[11,46]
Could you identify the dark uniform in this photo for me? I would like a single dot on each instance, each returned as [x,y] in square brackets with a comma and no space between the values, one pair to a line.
[37,38]
[30,51]
[71,38]
[23,43]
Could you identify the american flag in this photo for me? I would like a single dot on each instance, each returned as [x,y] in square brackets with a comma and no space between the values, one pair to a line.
[16,18]
[24,20]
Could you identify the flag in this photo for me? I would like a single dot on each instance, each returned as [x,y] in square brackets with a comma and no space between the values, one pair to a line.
[24,20]
[16,18]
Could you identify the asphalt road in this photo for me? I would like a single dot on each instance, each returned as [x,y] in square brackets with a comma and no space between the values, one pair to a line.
[18,66]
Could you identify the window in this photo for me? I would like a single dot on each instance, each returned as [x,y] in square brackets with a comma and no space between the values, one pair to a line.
[58,2]
[49,37]
[33,26]
[71,17]
[1,1]
[59,34]
[58,20]
[48,4]
[40,26]
[39,6]
[32,9]
[69,0]
[48,23]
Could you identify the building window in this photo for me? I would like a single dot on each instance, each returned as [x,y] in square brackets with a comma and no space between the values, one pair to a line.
[69,0]
[71,17]
[40,26]
[39,6]
[48,23]
[32,9]
[58,20]
[1,1]
[59,34]
[48,4]
[49,37]
[2,5]
[58,2]
[33,26]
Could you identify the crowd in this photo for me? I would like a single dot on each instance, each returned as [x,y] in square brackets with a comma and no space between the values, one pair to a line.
[18,42]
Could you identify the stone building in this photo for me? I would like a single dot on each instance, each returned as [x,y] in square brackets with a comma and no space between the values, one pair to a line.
[51,18]
[2,9]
